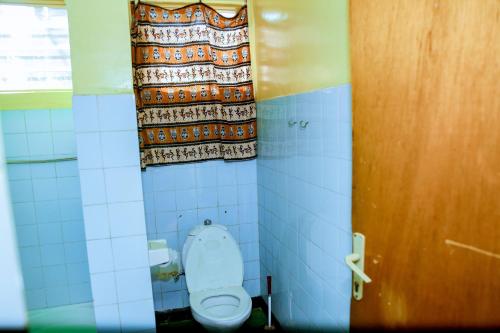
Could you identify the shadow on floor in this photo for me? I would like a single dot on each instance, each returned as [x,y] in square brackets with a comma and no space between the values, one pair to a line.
[182,320]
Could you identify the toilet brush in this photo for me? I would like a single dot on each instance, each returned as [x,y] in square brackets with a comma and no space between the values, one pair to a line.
[269,326]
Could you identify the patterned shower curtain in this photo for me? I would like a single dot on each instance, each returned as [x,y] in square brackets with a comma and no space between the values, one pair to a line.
[193,85]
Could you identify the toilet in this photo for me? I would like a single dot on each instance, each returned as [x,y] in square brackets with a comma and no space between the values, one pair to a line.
[214,276]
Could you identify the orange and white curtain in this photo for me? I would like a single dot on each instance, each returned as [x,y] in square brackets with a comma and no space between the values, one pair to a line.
[193,85]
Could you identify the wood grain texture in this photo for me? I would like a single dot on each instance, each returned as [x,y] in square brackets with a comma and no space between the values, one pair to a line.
[426,119]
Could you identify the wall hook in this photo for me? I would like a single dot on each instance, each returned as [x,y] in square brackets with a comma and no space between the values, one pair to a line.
[303,123]
[291,123]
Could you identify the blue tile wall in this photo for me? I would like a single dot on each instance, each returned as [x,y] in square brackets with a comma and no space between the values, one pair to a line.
[47,207]
[304,197]
[178,197]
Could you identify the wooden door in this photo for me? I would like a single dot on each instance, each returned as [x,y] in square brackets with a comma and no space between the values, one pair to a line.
[426,118]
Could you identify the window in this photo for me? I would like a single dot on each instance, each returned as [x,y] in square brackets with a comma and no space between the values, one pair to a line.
[34,48]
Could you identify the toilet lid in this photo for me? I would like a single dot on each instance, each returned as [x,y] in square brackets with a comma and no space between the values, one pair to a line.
[213,261]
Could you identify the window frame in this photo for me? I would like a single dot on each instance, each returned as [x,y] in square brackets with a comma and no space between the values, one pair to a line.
[40,98]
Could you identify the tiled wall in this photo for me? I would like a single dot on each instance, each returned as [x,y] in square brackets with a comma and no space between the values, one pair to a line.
[12,305]
[178,197]
[304,191]
[113,208]
[47,207]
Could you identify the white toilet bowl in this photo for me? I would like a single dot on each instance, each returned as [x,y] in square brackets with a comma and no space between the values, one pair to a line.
[223,309]
[214,276]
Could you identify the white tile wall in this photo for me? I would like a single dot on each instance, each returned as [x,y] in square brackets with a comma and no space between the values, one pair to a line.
[104,288]
[178,197]
[304,195]
[137,316]
[47,207]
[107,318]
[113,206]
[12,306]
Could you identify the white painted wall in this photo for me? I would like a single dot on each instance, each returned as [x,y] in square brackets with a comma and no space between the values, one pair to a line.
[12,307]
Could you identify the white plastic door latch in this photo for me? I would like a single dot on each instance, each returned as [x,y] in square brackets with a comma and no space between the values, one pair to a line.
[356,262]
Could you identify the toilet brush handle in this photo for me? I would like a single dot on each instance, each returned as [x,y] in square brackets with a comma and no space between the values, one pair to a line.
[269,291]
[269,315]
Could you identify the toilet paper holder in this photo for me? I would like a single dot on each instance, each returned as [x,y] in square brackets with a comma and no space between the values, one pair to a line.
[164,263]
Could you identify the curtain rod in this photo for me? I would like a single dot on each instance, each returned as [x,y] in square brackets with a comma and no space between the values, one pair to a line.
[60,3]
[171,3]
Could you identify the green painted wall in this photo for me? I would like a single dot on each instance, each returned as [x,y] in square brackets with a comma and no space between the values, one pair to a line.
[100,46]
[299,45]
[32,100]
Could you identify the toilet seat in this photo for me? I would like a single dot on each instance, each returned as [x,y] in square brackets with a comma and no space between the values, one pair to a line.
[225,305]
